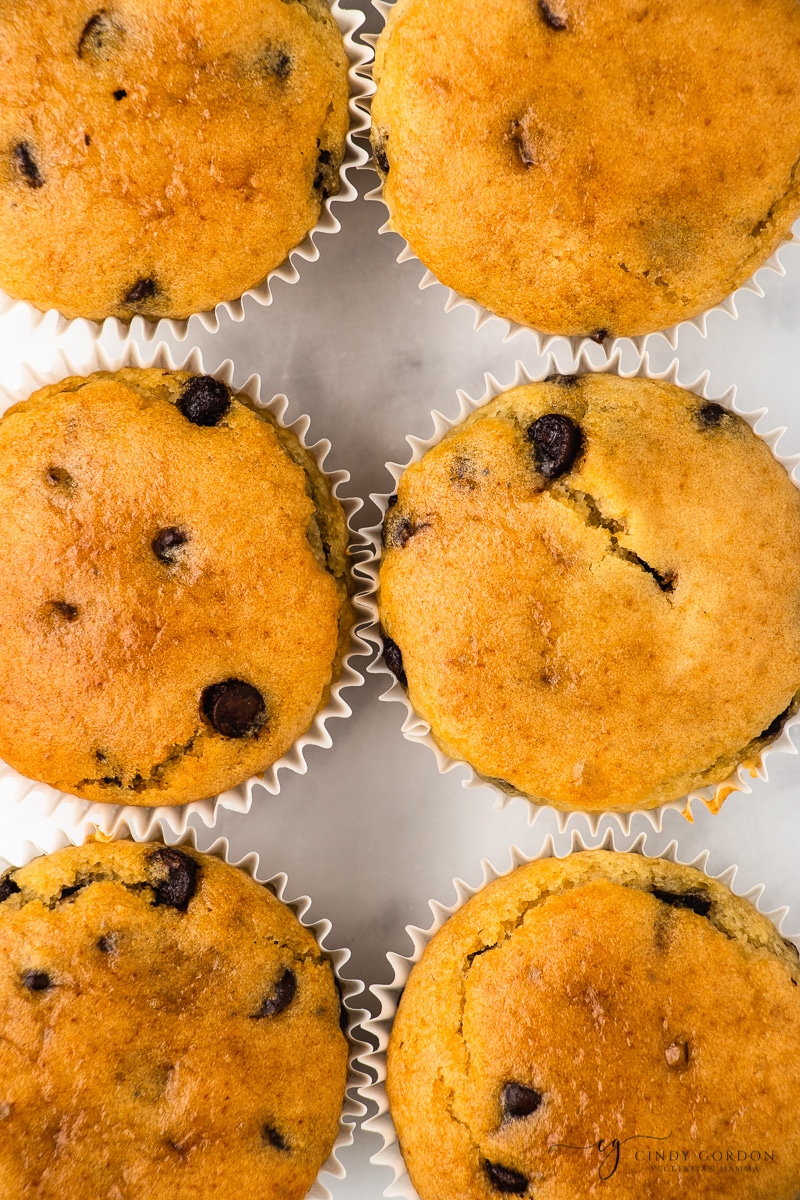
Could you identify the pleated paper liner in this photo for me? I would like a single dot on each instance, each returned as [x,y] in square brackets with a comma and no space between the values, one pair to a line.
[509,328]
[349,21]
[19,853]
[415,729]
[25,802]
[388,996]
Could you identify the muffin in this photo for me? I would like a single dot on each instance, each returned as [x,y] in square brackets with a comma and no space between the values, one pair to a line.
[169,1028]
[175,601]
[590,588]
[590,169]
[601,1024]
[162,158]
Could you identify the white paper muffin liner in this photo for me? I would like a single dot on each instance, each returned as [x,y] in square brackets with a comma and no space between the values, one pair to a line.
[25,802]
[47,839]
[415,729]
[349,21]
[388,995]
[482,315]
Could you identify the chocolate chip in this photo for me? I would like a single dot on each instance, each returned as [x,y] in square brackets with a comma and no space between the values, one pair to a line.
[277,61]
[393,657]
[235,709]
[379,140]
[26,165]
[391,501]
[181,882]
[142,291]
[326,179]
[107,944]
[556,442]
[167,543]
[101,37]
[119,94]
[63,611]
[599,336]
[280,999]
[8,888]
[553,19]
[691,900]
[711,416]
[204,400]
[58,477]
[36,981]
[775,727]
[398,530]
[87,140]
[520,1101]
[565,381]
[506,1180]
[271,1137]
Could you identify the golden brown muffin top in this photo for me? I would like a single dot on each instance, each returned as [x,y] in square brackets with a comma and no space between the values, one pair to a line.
[591,167]
[580,1017]
[594,584]
[167,1028]
[174,605]
[160,157]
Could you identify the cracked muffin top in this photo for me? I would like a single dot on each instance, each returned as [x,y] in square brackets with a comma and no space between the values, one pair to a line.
[590,588]
[167,1028]
[590,167]
[603,1024]
[161,158]
[175,601]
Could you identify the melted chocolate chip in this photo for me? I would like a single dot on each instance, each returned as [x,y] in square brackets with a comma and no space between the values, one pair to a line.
[520,1101]
[107,944]
[8,888]
[391,501]
[556,441]
[142,291]
[692,900]
[167,543]
[393,657]
[204,400]
[101,37]
[565,381]
[271,1137]
[553,19]
[277,61]
[26,165]
[235,709]
[506,1180]
[599,336]
[280,999]
[379,140]
[62,610]
[775,727]
[181,882]
[119,94]
[326,177]
[711,416]
[58,477]
[36,981]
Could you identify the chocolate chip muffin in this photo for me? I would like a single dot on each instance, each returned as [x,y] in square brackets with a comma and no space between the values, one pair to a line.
[175,601]
[161,159]
[601,1024]
[590,588]
[167,1028]
[590,168]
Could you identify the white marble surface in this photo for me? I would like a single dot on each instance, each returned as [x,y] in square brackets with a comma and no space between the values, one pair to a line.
[372,831]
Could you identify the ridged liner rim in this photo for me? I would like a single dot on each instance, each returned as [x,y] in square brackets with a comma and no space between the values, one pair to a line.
[320,928]
[481,315]
[349,21]
[388,995]
[415,729]
[23,800]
